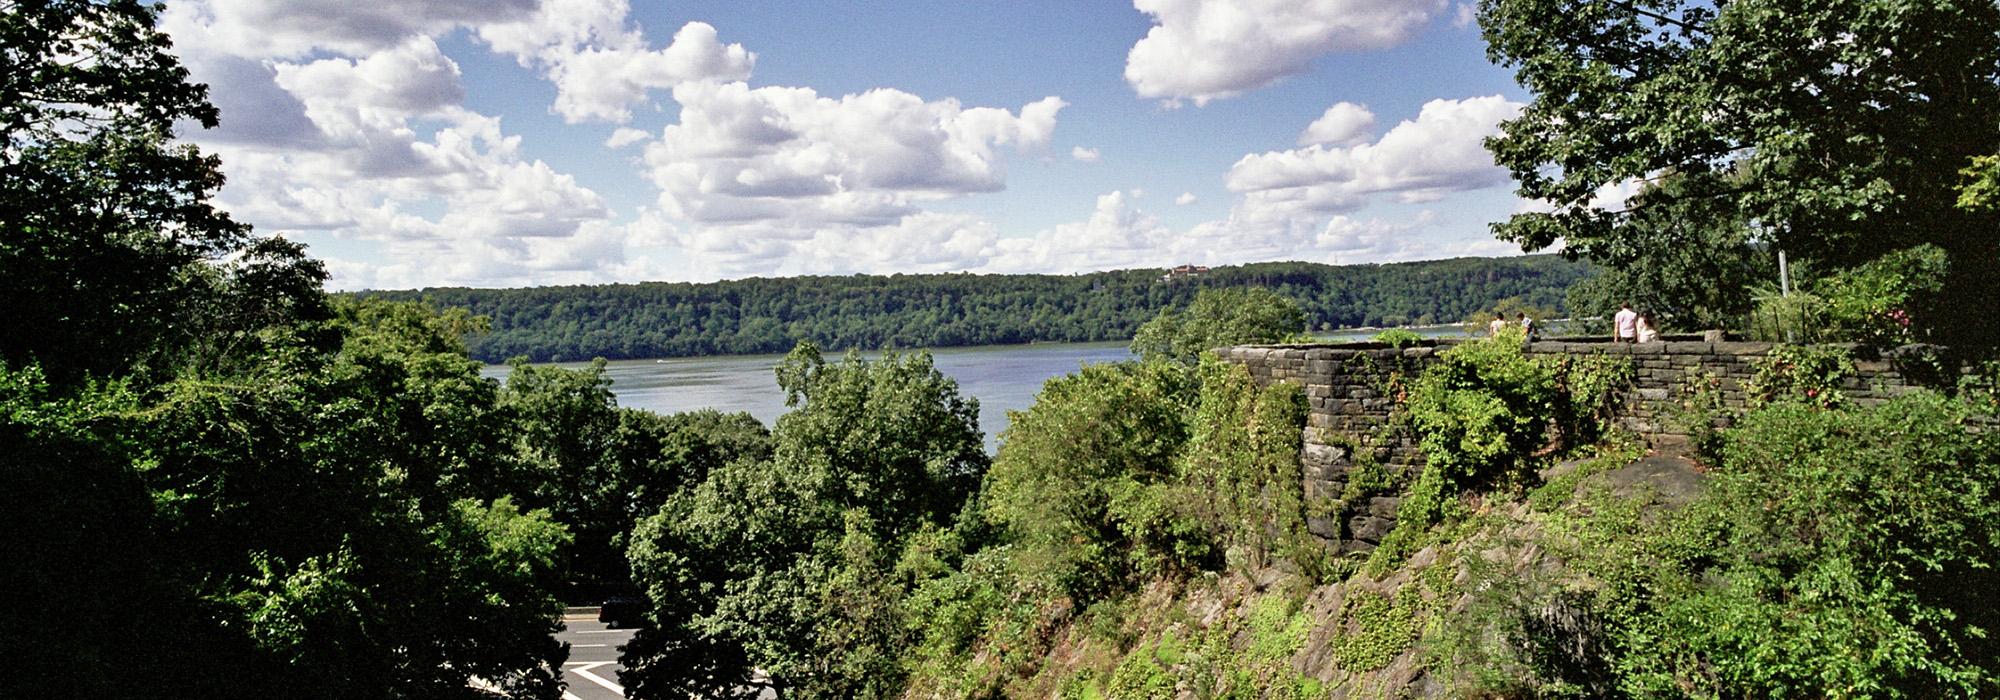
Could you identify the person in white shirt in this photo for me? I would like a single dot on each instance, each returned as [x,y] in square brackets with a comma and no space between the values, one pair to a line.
[1528,326]
[1646,332]
[1627,322]
[1499,323]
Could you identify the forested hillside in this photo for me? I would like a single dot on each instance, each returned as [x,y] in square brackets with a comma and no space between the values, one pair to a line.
[866,311]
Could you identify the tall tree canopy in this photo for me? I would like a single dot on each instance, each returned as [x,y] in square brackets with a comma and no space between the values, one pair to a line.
[105,223]
[1831,129]
[213,481]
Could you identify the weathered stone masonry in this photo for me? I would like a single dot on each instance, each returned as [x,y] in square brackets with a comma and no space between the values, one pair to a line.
[1345,385]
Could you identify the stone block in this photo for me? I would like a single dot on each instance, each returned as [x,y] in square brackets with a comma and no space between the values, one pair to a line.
[1369,528]
[1322,454]
[1384,506]
[1684,347]
[1327,528]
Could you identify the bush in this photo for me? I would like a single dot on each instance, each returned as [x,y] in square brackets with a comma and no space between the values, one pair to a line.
[1867,573]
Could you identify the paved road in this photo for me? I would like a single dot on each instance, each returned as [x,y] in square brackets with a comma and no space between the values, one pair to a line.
[592,670]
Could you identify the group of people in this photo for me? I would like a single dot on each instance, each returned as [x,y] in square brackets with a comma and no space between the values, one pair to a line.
[1499,323]
[1632,326]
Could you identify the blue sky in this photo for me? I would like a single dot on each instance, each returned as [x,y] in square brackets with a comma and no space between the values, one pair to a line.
[421,143]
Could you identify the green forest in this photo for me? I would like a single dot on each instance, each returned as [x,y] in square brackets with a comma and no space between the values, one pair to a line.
[217,480]
[627,321]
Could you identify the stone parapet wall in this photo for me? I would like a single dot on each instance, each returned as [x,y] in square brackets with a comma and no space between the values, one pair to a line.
[1352,402]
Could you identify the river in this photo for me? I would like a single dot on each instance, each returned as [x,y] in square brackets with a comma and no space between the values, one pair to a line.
[1003,377]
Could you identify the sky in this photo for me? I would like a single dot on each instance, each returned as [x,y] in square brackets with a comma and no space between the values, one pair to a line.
[509,143]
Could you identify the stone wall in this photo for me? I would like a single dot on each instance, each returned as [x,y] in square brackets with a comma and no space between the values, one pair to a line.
[1349,388]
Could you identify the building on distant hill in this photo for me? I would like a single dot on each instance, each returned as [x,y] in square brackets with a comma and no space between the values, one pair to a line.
[1184,271]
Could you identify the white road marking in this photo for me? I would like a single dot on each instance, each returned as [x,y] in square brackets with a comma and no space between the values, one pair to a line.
[603,632]
[588,646]
[570,696]
[584,671]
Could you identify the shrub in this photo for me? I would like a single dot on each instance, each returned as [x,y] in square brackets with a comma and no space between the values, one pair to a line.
[1811,374]
[1837,553]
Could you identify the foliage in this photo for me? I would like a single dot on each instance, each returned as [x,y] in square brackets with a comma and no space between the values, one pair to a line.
[1385,631]
[916,311]
[1864,576]
[1875,304]
[108,242]
[1397,337]
[310,518]
[1219,317]
[1476,411]
[744,568]
[1093,444]
[1243,654]
[1689,264]
[1238,475]
[245,476]
[1980,189]
[1773,124]
[1808,373]
[1697,408]
[1480,412]
[1980,386]
[1799,317]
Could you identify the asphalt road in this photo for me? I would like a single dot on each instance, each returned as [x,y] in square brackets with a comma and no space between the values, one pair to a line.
[592,670]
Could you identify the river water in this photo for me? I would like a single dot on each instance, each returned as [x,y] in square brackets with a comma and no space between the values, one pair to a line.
[1003,377]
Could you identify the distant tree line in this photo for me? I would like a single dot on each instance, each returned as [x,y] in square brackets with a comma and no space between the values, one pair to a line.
[762,315]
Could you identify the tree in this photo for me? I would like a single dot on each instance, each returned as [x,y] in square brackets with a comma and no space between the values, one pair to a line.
[1831,130]
[206,464]
[1219,317]
[106,229]
[785,564]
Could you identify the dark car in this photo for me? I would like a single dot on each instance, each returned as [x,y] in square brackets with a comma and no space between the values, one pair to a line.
[622,611]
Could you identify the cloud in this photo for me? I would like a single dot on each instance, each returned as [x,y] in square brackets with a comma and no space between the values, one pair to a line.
[1439,152]
[295,28]
[600,63]
[1203,50]
[790,156]
[1611,196]
[1464,15]
[347,98]
[377,148]
[1084,155]
[625,136]
[1343,124]
[1185,199]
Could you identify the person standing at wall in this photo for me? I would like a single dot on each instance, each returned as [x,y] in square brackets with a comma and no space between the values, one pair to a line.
[1627,322]
[1528,326]
[1647,333]
[1499,323]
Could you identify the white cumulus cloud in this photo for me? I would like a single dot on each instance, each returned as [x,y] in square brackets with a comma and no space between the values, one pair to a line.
[601,63]
[1185,199]
[1085,155]
[1343,124]
[1439,152]
[295,28]
[625,136]
[1203,50]
[786,154]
